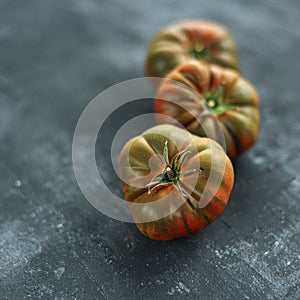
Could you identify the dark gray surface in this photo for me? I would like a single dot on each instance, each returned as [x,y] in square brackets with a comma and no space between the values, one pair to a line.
[55,57]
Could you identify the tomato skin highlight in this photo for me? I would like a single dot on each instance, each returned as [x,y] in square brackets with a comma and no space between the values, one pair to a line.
[235,105]
[189,217]
[190,39]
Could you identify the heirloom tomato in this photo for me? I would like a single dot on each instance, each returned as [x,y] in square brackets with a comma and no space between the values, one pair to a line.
[196,39]
[175,183]
[231,99]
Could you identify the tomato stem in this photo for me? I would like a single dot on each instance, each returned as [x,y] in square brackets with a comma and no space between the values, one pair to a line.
[171,173]
[214,100]
[199,51]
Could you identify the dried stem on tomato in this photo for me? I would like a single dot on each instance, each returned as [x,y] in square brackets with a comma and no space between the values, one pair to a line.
[172,171]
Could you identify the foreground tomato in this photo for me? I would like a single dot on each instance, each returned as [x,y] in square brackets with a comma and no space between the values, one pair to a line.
[177,43]
[184,181]
[231,98]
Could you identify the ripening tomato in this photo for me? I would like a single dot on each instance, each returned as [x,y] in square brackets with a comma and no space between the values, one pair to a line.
[228,96]
[196,39]
[175,183]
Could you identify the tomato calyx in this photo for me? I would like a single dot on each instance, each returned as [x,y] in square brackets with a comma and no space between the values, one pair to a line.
[172,171]
[199,51]
[214,100]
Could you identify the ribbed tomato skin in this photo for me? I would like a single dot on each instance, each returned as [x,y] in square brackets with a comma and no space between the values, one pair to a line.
[171,46]
[189,218]
[240,125]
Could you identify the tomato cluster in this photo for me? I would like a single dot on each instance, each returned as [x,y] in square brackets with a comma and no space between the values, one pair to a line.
[176,181]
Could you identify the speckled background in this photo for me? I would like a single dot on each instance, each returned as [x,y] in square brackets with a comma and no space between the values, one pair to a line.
[55,56]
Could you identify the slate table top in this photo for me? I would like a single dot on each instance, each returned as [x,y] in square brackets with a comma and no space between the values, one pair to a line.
[55,56]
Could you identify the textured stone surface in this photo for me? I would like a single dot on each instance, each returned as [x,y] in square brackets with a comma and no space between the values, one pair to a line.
[55,57]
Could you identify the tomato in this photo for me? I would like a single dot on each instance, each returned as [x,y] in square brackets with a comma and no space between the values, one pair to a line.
[232,99]
[197,39]
[182,181]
